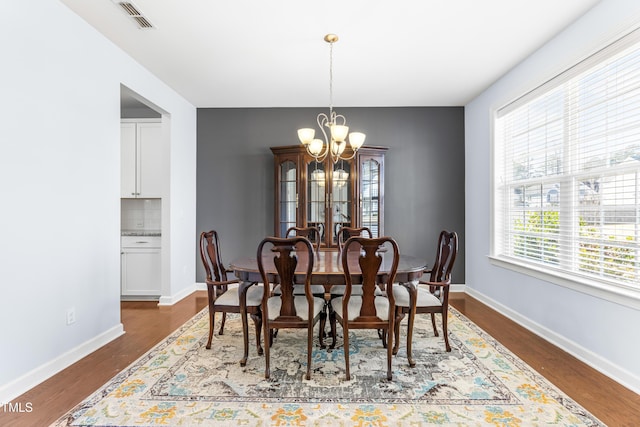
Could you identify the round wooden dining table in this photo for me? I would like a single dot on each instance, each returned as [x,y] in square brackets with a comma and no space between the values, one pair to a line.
[327,271]
[327,267]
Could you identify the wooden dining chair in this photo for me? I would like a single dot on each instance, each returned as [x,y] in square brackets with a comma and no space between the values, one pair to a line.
[224,298]
[345,232]
[287,310]
[343,235]
[369,310]
[311,233]
[432,297]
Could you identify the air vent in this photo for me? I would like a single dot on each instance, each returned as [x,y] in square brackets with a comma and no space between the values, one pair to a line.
[132,11]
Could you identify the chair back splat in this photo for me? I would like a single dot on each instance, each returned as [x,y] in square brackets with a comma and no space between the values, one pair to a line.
[445,257]
[346,232]
[311,233]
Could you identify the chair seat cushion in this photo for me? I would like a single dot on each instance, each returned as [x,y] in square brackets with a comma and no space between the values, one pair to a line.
[231,297]
[355,290]
[299,290]
[425,298]
[355,302]
[302,308]
[339,290]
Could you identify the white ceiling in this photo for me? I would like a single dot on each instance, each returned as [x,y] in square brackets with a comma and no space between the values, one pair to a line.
[259,53]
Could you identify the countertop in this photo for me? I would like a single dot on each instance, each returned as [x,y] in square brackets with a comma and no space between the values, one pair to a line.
[140,233]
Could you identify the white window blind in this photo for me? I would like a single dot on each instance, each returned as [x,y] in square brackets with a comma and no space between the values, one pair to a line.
[567,171]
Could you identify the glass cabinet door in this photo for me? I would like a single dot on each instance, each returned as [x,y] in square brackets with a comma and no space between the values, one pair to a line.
[370,214]
[341,198]
[316,197]
[288,188]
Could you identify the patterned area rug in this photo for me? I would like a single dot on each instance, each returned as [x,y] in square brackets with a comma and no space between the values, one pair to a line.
[180,383]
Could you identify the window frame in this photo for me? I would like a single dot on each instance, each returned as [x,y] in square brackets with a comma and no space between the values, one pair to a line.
[604,288]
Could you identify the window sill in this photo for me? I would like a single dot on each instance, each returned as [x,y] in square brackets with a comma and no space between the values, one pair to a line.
[619,294]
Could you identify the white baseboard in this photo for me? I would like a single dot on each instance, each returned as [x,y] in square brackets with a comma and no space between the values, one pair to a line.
[172,299]
[457,288]
[597,362]
[31,379]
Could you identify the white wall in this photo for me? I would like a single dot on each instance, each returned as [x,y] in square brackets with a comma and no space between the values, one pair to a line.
[59,183]
[602,333]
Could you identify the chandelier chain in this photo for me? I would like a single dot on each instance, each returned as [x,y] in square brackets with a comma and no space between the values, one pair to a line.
[331,79]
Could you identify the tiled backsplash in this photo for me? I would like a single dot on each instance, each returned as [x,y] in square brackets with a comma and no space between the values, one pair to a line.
[140,214]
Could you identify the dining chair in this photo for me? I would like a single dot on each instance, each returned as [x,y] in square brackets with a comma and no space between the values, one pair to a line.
[369,310]
[311,233]
[314,236]
[432,297]
[287,310]
[345,232]
[223,298]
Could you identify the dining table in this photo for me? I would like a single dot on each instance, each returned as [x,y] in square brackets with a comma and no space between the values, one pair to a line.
[327,271]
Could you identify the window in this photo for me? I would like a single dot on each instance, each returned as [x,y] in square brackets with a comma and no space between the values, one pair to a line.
[567,172]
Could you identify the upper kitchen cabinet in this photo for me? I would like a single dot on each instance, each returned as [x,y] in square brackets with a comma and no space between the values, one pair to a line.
[329,195]
[142,163]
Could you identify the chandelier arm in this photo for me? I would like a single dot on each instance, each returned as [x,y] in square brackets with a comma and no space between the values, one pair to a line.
[322,120]
[336,117]
[320,157]
[339,157]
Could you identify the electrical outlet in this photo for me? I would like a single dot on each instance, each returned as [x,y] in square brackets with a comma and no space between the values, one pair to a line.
[71,316]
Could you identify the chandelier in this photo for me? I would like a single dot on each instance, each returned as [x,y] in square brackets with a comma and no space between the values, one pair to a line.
[333,127]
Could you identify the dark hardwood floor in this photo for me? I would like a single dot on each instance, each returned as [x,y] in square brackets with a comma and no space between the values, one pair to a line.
[146,324]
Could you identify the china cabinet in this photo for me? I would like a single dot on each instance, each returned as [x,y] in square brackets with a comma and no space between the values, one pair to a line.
[329,195]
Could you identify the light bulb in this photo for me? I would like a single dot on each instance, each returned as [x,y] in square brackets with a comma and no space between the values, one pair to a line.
[315,147]
[339,132]
[306,135]
[356,139]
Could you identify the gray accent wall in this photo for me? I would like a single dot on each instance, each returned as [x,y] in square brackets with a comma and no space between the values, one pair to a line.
[424,173]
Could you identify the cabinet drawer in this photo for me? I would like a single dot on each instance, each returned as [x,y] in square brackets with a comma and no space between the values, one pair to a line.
[140,241]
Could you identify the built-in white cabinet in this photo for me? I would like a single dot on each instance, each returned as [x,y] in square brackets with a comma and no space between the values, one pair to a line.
[140,266]
[142,163]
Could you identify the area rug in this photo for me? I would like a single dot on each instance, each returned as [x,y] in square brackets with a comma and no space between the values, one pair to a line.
[180,383]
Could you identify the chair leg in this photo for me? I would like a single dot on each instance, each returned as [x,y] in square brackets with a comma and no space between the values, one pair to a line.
[332,321]
[212,315]
[345,332]
[245,339]
[309,348]
[267,345]
[390,351]
[323,322]
[257,320]
[444,329]
[412,317]
[433,322]
[396,332]
[224,319]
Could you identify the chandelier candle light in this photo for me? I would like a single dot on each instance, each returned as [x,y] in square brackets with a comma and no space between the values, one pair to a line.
[335,144]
